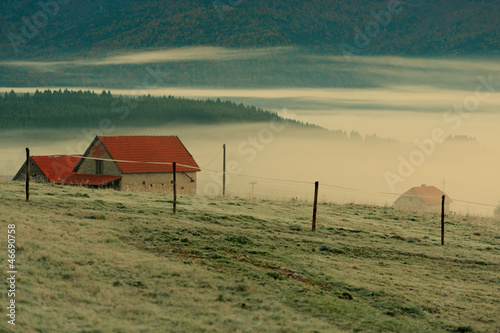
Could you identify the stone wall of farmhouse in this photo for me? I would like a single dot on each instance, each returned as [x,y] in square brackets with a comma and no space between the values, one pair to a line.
[159,182]
[409,203]
[436,209]
[88,167]
[418,205]
[36,175]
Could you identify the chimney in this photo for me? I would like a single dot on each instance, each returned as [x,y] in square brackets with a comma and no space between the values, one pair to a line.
[423,185]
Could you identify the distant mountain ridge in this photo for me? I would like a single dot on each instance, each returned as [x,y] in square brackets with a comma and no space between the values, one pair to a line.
[53,29]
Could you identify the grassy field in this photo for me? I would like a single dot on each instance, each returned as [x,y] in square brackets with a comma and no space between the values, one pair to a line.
[107,261]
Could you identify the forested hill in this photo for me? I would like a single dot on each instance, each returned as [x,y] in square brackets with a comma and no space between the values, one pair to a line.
[84,109]
[93,27]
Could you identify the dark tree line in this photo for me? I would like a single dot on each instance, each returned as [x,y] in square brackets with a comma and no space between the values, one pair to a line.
[86,109]
[77,109]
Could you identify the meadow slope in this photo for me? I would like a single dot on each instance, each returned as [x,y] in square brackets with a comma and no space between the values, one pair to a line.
[107,261]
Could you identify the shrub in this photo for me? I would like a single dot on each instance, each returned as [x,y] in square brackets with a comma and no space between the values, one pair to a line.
[239,239]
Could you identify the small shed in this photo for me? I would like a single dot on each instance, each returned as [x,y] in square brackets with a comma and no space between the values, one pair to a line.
[423,199]
[48,169]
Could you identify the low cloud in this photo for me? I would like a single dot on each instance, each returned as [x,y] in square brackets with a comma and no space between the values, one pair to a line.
[206,53]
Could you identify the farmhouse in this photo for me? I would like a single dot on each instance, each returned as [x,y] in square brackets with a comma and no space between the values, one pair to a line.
[423,199]
[48,169]
[136,163]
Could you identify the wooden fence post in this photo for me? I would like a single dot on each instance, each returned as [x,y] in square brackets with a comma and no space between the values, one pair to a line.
[442,220]
[315,209]
[224,171]
[175,189]
[27,174]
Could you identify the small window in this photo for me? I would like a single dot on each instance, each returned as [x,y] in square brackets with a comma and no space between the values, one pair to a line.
[143,182]
[98,167]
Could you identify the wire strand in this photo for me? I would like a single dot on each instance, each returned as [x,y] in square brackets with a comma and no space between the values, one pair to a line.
[218,153]
[196,168]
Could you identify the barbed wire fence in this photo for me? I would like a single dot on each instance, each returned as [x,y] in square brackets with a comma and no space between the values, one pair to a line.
[269,188]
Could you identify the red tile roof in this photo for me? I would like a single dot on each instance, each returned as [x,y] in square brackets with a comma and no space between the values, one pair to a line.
[97,180]
[56,167]
[429,194]
[163,149]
